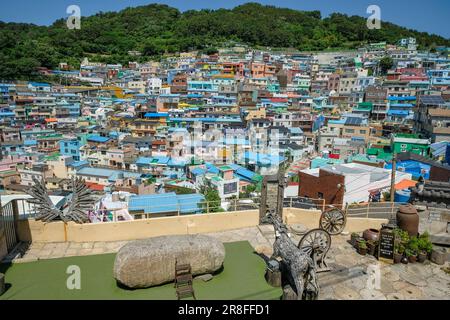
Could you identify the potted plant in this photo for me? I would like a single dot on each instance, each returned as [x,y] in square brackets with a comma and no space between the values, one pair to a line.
[371,247]
[399,250]
[362,247]
[424,246]
[401,235]
[354,238]
[411,254]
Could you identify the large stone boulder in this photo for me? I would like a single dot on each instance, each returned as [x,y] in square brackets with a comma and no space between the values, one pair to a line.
[150,262]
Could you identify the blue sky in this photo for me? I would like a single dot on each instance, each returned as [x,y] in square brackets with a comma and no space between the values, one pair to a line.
[423,15]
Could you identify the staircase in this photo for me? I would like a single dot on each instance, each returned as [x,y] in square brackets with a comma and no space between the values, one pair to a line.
[183,281]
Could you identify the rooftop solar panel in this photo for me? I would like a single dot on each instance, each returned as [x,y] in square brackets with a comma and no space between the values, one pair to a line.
[353,121]
[432,100]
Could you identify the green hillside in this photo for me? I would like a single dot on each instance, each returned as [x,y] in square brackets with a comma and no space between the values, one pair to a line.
[156,29]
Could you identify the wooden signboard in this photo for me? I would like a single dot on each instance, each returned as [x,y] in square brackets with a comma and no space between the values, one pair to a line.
[386,246]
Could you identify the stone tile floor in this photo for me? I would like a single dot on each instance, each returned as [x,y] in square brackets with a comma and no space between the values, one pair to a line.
[352,276]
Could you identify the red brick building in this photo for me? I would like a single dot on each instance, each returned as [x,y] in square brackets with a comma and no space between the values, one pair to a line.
[322,185]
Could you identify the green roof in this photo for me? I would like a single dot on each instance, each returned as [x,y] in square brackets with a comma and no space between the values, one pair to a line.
[380,153]
[364,106]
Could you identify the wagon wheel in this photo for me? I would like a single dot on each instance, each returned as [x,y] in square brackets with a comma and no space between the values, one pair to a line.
[316,243]
[333,220]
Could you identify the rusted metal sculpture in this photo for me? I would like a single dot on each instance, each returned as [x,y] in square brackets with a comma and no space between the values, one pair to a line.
[71,208]
[298,262]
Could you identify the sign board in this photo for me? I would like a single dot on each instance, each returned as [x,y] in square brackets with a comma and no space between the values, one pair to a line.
[386,246]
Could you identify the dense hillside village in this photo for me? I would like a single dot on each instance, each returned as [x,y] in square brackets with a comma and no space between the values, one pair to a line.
[195,125]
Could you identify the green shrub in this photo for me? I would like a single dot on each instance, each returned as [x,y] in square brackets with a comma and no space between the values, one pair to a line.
[399,248]
[410,253]
[413,244]
[401,235]
[424,243]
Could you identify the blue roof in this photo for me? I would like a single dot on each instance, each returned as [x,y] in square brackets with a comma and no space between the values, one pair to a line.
[398,113]
[340,121]
[407,105]
[156,115]
[243,173]
[78,163]
[394,98]
[176,163]
[29,142]
[111,174]
[98,139]
[194,95]
[212,168]
[166,202]
[39,84]
[198,171]
[263,159]
[205,119]
[142,161]
[7,114]
[296,130]
[178,130]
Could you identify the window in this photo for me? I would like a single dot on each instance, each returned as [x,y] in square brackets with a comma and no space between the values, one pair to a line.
[320,195]
[229,188]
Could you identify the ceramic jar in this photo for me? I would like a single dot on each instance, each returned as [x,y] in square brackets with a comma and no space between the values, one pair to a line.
[371,234]
[408,219]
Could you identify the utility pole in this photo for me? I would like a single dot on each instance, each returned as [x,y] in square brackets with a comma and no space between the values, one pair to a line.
[394,167]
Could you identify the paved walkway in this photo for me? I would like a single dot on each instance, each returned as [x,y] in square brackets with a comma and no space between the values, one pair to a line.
[351,275]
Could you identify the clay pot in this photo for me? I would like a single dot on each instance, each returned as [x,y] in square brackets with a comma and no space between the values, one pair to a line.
[422,257]
[362,251]
[408,219]
[398,257]
[412,259]
[357,240]
[371,234]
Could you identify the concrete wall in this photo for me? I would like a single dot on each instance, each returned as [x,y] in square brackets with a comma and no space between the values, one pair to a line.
[37,231]
[31,230]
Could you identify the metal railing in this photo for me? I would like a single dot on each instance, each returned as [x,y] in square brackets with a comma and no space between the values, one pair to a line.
[8,224]
[382,210]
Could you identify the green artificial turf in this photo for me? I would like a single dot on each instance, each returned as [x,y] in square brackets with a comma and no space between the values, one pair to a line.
[242,277]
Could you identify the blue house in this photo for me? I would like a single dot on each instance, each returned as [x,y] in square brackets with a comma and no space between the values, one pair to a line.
[401,108]
[71,148]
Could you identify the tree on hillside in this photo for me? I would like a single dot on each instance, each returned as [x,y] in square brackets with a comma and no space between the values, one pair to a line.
[386,63]
[212,199]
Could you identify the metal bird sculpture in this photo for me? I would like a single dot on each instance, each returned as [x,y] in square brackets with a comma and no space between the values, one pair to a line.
[72,208]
